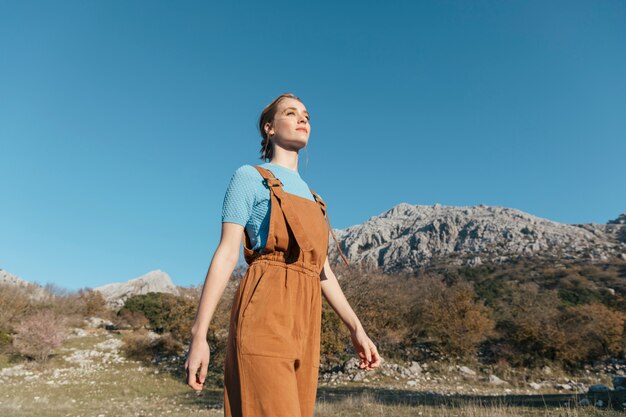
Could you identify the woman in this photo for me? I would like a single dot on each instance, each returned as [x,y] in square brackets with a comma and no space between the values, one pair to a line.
[273,352]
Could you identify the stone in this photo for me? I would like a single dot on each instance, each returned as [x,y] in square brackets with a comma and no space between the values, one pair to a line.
[494,380]
[415,368]
[407,237]
[598,388]
[359,376]
[467,371]
[619,382]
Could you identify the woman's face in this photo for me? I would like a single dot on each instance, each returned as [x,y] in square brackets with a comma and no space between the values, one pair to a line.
[291,128]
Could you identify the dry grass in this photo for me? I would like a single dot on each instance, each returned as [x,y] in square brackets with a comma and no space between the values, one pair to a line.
[367,405]
[103,386]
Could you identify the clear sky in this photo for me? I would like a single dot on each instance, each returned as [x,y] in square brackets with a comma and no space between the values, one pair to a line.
[121,122]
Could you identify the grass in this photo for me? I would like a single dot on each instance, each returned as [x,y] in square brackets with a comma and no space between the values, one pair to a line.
[108,385]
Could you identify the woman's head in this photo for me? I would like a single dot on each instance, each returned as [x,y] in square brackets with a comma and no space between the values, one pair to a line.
[285,123]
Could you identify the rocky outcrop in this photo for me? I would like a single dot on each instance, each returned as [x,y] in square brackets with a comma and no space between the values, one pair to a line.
[34,291]
[117,293]
[407,237]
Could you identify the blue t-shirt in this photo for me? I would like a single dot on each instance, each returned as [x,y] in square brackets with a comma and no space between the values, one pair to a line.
[247,199]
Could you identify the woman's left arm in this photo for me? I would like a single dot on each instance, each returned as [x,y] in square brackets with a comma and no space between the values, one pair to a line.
[362,343]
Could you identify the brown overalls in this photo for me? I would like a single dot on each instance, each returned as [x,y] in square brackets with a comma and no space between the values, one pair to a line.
[273,350]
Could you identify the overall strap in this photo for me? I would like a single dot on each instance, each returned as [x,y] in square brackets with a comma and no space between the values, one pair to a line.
[279,196]
[327,217]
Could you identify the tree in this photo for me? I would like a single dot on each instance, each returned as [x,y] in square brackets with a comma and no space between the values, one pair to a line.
[452,316]
[40,333]
[591,331]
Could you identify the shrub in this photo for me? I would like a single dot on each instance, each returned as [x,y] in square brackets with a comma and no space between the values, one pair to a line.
[39,333]
[529,325]
[591,331]
[15,305]
[92,303]
[5,341]
[165,312]
[333,336]
[383,304]
[140,346]
[451,316]
[136,346]
[133,319]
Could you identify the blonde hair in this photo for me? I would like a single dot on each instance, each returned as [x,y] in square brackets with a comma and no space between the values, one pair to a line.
[267,116]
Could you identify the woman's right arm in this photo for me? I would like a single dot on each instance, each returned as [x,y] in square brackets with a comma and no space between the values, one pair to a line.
[222,265]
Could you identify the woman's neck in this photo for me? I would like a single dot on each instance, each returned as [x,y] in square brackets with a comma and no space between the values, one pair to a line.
[287,165]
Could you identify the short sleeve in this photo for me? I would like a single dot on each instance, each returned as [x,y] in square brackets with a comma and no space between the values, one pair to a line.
[240,196]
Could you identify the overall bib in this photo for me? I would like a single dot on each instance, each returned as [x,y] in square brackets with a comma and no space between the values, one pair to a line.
[273,349]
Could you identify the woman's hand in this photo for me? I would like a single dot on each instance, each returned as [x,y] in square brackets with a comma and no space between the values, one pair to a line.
[197,359]
[365,348]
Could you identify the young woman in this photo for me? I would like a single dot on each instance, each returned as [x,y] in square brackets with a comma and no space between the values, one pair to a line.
[273,351]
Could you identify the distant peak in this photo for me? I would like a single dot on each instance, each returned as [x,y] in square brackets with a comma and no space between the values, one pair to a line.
[621,219]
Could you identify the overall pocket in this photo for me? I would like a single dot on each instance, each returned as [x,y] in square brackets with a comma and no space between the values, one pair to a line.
[256,293]
[268,326]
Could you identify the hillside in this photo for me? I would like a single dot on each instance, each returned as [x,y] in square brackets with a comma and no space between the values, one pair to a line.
[407,237]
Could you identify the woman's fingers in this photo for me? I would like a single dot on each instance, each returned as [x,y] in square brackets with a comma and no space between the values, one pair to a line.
[197,360]
[203,372]
[375,355]
[192,379]
[369,356]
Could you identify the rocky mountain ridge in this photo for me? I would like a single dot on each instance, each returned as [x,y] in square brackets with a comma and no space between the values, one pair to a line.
[116,293]
[35,291]
[407,237]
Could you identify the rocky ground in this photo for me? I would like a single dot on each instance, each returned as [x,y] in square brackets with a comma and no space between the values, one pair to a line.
[457,379]
[89,376]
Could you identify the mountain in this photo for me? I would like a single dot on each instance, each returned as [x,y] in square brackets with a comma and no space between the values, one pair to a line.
[407,237]
[35,291]
[117,293]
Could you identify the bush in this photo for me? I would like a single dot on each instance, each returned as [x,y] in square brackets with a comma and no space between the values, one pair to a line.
[5,341]
[38,334]
[91,303]
[529,325]
[591,332]
[383,304]
[333,336]
[451,316]
[134,319]
[137,346]
[15,305]
[140,346]
[165,312]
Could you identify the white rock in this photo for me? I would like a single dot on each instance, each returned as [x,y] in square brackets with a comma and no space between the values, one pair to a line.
[407,237]
[415,367]
[117,293]
[494,380]
[467,371]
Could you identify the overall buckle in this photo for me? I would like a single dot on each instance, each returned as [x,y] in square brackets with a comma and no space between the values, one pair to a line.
[273,182]
[319,200]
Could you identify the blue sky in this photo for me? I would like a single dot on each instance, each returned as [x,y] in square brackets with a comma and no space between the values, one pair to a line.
[121,122]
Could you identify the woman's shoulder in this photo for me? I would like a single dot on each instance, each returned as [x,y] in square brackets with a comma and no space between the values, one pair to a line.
[246,171]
